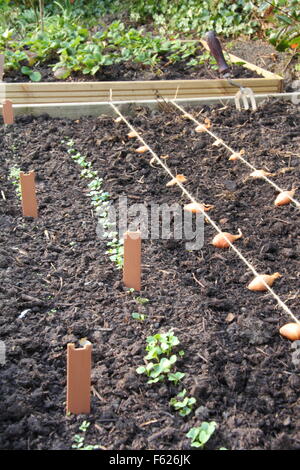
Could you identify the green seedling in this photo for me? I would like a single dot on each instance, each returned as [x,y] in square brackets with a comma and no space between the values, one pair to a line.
[100,201]
[142,300]
[84,426]
[139,316]
[33,75]
[80,438]
[157,372]
[52,311]
[116,252]
[87,173]
[95,184]
[175,377]
[182,403]
[14,177]
[201,434]
[161,343]
[159,352]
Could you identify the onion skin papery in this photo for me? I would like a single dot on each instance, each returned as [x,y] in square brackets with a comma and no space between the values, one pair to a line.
[290,331]
[131,135]
[220,242]
[142,149]
[236,155]
[260,174]
[178,179]
[258,285]
[284,197]
[195,207]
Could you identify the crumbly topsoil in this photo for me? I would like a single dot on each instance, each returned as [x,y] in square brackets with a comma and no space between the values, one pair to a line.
[55,272]
[131,71]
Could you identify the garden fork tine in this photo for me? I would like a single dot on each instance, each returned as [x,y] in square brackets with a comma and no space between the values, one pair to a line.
[242,95]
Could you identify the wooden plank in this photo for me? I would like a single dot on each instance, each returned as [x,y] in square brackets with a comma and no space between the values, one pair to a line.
[147,85]
[131,93]
[125,96]
[221,84]
[78,110]
[106,93]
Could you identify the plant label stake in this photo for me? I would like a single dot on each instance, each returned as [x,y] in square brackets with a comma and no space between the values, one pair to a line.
[79,364]
[8,112]
[29,202]
[1,66]
[132,260]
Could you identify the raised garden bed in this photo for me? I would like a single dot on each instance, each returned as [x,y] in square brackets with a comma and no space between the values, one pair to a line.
[239,369]
[143,88]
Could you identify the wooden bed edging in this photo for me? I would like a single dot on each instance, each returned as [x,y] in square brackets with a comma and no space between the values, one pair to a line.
[70,92]
[78,110]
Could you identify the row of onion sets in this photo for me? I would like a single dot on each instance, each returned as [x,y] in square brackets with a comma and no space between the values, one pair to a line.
[224,240]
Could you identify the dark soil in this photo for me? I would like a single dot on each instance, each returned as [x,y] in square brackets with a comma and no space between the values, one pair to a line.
[241,371]
[137,71]
[265,55]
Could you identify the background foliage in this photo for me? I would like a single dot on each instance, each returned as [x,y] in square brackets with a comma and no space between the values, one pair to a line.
[86,35]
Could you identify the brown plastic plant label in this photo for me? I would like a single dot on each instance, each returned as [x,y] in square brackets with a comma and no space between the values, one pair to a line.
[7,111]
[132,260]
[28,191]
[79,364]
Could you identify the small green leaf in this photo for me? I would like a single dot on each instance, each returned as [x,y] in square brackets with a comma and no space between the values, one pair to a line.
[26,70]
[35,77]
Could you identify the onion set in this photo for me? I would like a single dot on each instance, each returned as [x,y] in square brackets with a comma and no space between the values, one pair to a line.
[258,283]
[284,197]
[196,208]
[132,134]
[260,174]
[220,241]
[236,155]
[178,179]
[203,127]
[290,331]
[142,149]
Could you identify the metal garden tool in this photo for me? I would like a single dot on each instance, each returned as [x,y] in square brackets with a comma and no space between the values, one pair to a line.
[244,95]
